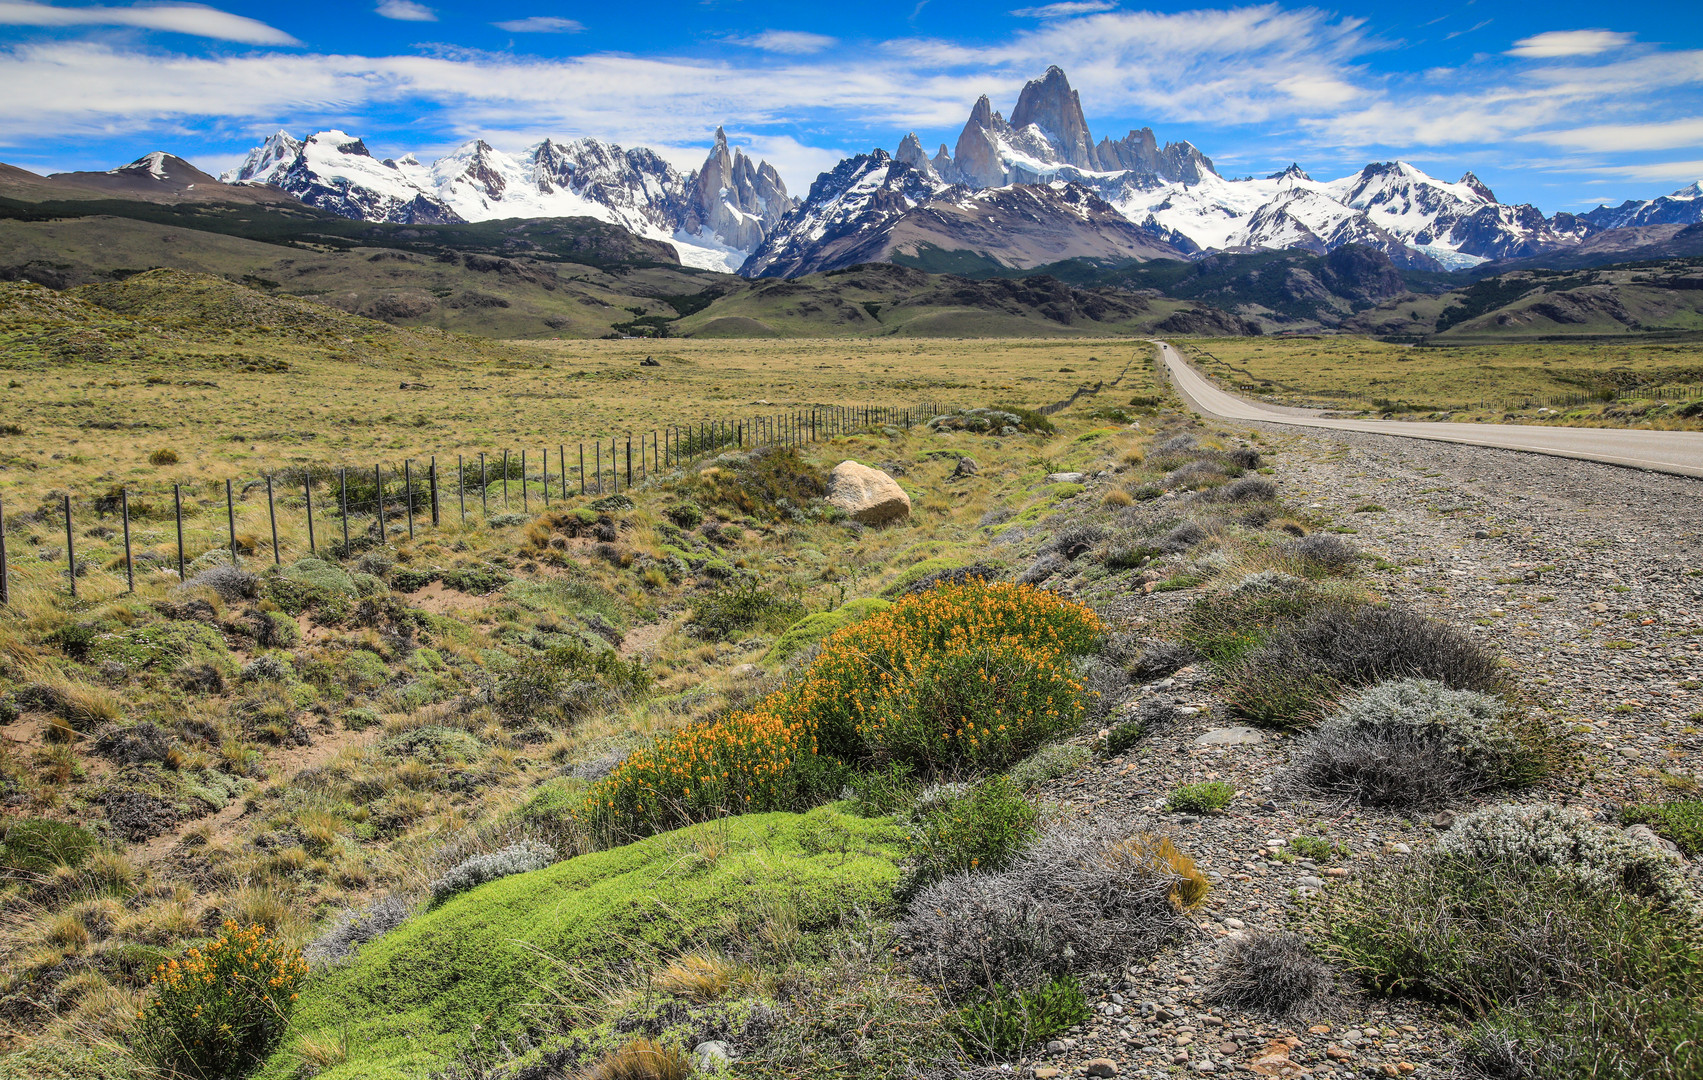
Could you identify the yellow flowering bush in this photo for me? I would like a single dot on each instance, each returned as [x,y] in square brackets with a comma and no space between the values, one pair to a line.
[218,1009]
[969,677]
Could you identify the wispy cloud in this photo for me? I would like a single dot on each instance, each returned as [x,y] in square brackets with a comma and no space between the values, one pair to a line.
[192,19]
[1559,43]
[1611,138]
[540,24]
[1451,35]
[790,42]
[406,11]
[1065,9]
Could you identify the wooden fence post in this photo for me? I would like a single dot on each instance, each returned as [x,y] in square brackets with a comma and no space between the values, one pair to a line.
[505,479]
[629,461]
[177,507]
[272,514]
[582,468]
[5,587]
[525,502]
[307,493]
[432,476]
[70,549]
[562,460]
[546,478]
[231,520]
[129,563]
[343,484]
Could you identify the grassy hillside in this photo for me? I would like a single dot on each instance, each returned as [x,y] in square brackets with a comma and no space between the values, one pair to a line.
[515,293]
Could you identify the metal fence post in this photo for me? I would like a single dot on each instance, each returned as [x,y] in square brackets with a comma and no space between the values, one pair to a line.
[432,475]
[546,478]
[129,563]
[70,549]
[484,500]
[378,485]
[307,493]
[177,507]
[5,588]
[231,520]
[505,480]
[272,513]
[461,489]
[525,502]
[408,486]
[343,485]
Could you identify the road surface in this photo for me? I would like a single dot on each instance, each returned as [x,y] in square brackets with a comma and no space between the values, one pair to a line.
[1679,452]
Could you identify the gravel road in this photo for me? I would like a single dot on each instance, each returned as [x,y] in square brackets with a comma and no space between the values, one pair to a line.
[1678,452]
[1586,577]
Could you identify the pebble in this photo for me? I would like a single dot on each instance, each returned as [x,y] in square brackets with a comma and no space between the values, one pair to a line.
[1230,736]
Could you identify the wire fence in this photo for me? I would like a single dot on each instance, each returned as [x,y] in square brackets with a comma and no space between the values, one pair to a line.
[344,509]
[1487,402]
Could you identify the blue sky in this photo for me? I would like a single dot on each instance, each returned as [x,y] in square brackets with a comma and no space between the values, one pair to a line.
[1563,104]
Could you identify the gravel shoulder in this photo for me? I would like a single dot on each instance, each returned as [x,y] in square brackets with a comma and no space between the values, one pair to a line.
[1587,578]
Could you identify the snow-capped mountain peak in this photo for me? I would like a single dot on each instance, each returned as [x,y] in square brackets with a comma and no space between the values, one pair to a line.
[714,217]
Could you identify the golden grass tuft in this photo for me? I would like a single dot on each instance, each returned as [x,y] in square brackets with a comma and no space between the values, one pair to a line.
[704,976]
[1117,497]
[1189,889]
[641,1059]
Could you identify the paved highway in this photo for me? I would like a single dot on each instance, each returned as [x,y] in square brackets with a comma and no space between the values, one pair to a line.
[1679,452]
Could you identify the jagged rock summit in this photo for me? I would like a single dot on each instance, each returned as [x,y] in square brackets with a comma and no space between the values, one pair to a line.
[714,217]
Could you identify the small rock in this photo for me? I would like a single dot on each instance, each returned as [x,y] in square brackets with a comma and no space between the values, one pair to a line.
[711,1055]
[1101,1067]
[1234,924]
[1443,819]
[1067,478]
[1337,1053]
[1046,1072]
[966,467]
[1308,881]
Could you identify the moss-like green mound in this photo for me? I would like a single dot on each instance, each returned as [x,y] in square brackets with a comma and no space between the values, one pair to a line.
[410,998]
[814,627]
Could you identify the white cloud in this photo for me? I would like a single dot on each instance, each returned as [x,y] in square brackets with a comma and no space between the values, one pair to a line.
[1684,172]
[1065,9]
[540,24]
[1558,43]
[1610,138]
[790,42]
[406,11]
[192,19]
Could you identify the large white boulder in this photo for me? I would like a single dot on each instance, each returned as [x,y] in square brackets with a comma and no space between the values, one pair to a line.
[867,495]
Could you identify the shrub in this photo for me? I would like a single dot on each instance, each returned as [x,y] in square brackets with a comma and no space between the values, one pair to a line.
[1082,897]
[808,632]
[1125,735]
[1269,973]
[727,613]
[910,583]
[1572,844]
[1330,554]
[569,681]
[905,684]
[476,580]
[898,687]
[218,1010]
[230,582]
[1415,742]
[880,792]
[1075,541]
[163,456]
[1161,658]
[687,515]
[1679,822]
[1047,763]
[981,830]
[39,845]
[1247,489]
[1338,646]
[1004,1022]
[1243,457]
[410,580]
[1202,798]
[354,927]
[771,484]
[521,858]
[1568,971]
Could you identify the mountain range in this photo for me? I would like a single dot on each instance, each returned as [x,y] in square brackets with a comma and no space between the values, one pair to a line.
[713,216]
[1010,195]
